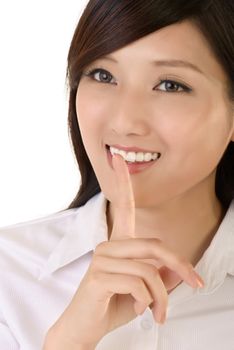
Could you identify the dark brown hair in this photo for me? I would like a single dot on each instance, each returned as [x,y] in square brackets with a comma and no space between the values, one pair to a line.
[108,25]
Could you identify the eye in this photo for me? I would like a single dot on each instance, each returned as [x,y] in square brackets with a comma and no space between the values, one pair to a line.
[103,76]
[173,86]
[100,75]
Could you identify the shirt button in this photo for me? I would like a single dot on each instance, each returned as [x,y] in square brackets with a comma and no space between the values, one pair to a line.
[146,324]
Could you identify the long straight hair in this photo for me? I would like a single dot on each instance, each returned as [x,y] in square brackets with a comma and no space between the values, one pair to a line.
[108,25]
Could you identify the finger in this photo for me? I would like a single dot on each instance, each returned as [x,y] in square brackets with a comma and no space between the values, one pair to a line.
[108,284]
[152,248]
[147,272]
[170,278]
[124,206]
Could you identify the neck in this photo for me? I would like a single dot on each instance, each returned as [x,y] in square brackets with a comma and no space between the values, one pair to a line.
[185,225]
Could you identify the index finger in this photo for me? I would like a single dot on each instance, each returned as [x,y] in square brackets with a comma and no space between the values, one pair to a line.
[124,205]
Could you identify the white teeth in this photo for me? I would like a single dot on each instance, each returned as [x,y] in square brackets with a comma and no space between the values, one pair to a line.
[140,157]
[147,157]
[135,156]
[130,157]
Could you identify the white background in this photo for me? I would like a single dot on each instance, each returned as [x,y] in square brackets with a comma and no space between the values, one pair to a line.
[38,171]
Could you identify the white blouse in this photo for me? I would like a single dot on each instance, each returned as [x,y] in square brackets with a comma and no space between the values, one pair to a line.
[43,261]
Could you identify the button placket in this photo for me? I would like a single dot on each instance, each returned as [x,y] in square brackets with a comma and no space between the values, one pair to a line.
[146,323]
[146,320]
[147,334]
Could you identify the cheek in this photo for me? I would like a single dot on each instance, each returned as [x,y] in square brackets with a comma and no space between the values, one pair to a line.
[91,115]
[214,127]
[202,122]
[207,139]
[88,106]
[195,138]
[176,118]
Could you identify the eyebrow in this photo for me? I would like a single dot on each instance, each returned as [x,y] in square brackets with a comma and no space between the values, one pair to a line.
[166,63]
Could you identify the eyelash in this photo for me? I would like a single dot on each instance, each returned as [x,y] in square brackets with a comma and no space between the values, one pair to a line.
[91,72]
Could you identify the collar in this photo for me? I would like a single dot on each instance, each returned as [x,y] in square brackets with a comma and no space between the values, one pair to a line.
[83,232]
[88,227]
[218,259]
[215,264]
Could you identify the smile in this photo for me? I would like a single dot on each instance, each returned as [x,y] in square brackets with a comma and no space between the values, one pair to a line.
[134,166]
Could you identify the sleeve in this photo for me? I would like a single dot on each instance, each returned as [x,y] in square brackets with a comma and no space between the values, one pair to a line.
[7,340]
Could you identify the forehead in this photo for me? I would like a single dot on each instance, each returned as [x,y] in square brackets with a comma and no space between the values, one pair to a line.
[180,41]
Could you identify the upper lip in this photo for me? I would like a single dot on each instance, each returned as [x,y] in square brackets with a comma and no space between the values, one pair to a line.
[132,149]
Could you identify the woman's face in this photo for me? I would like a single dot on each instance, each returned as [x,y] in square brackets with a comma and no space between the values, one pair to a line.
[127,105]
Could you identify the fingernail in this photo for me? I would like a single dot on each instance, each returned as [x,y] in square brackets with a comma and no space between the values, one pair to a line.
[198,280]
[163,318]
[200,283]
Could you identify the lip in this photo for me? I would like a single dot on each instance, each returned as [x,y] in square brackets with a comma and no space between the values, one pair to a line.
[133,168]
[132,149]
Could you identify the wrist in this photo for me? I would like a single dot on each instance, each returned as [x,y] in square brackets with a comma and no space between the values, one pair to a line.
[55,344]
[55,340]
[65,346]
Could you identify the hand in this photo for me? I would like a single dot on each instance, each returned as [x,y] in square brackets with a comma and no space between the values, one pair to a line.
[119,284]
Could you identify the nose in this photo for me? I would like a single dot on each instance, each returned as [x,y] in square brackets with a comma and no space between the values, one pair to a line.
[130,114]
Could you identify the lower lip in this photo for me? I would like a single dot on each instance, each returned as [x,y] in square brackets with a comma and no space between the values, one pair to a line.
[133,168]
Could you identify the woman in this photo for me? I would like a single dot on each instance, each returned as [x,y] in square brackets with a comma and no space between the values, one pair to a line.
[143,257]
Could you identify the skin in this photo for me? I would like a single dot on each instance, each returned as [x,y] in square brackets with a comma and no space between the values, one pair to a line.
[167,214]
[124,285]
[175,199]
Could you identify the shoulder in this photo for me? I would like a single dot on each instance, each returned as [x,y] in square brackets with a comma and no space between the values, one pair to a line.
[33,240]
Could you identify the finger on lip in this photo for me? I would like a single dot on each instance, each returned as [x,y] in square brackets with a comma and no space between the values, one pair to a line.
[124,218]
[124,206]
